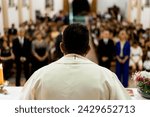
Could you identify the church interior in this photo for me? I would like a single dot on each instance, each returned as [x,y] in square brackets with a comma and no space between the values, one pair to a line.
[42,22]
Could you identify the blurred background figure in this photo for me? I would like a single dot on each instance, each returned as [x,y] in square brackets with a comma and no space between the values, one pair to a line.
[122,56]
[6,57]
[146,64]
[80,7]
[22,52]
[40,51]
[136,57]
[12,30]
[106,49]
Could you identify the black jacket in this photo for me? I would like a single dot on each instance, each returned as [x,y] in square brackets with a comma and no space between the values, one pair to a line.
[12,31]
[19,50]
[107,50]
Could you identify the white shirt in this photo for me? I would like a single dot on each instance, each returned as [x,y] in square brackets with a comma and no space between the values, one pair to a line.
[122,46]
[73,78]
[105,41]
[136,53]
[21,40]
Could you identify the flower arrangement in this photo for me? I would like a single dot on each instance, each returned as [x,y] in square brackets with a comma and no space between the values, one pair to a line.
[143,83]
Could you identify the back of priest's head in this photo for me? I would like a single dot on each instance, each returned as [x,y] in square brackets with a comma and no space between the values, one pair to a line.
[75,40]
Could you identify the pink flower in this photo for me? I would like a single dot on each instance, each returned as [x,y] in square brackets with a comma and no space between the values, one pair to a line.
[136,76]
[139,78]
[147,83]
[142,76]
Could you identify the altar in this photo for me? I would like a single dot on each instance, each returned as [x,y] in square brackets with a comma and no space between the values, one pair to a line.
[14,92]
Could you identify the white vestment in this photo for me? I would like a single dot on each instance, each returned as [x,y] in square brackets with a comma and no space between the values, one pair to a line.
[73,78]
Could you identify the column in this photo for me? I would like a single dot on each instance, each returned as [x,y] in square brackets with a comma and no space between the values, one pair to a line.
[94,6]
[139,11]
[5,13]
[1,20]
[30,10]
[66,6]
[20,5]
[129,11]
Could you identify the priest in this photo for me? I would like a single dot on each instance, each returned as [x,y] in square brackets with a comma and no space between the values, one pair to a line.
[74,77]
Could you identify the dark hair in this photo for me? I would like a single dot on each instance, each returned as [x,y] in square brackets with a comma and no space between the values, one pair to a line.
[105,29]
[76,39]
[135,42]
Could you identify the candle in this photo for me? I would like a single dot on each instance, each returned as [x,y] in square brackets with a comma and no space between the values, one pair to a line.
[1,75]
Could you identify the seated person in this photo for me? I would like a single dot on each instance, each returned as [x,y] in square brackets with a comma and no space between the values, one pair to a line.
[136,57]
[146,64]
[74,77]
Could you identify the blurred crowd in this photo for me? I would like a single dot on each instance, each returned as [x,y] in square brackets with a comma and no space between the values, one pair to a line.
[36,44]
[121,43]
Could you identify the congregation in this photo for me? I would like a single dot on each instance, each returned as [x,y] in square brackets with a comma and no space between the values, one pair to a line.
[116,42]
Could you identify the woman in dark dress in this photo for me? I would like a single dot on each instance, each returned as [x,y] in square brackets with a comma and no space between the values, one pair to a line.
[40,50]
[6,58]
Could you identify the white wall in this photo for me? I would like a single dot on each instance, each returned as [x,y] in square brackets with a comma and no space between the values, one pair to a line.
[133,14]
[33,9]
[40,5]
[58,5]
[102,5]
[1,23]
[145,17]
[25,12]
[13,16]
[1,19]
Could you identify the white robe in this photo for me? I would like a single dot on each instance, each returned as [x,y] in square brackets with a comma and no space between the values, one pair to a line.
[73,78]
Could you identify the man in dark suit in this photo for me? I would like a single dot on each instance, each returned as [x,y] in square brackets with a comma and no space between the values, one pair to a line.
[22,52]
[12,30]
[106,50]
